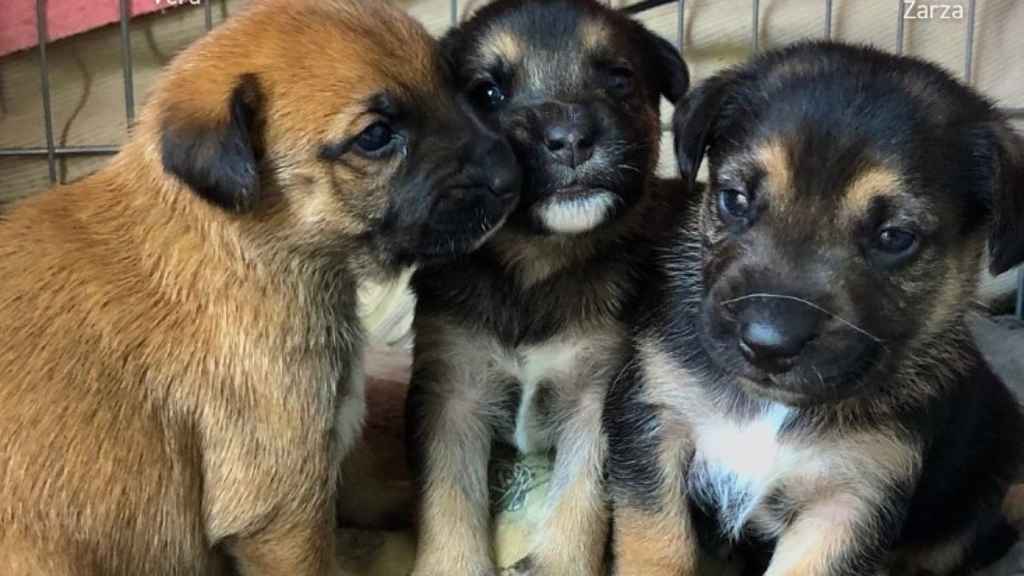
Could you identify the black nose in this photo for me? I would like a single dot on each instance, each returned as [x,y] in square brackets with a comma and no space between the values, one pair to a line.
[493,162]
[570,139]
[773,333]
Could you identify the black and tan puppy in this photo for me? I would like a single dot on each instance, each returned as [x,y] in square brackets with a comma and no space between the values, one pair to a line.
[181,369]
[516,344]
[803,381]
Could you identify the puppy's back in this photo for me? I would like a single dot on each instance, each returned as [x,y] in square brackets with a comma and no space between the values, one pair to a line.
[81,441]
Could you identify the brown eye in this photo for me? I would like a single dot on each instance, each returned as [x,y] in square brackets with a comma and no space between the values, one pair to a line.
[376,140]
[896,241]
[620,81]
[733,204]
[487,95]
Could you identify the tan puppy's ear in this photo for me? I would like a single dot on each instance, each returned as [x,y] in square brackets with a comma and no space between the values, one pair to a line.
[217,153]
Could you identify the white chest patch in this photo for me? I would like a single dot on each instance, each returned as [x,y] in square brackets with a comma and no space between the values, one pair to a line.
[737,464]
[577,215]
[550,364]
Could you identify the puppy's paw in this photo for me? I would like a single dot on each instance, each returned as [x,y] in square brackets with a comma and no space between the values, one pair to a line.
[524,567]
[532,566]
[479,572]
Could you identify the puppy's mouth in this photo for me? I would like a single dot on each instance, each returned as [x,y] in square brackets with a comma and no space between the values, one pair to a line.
[575,209]
[808,385]
[576,191]
[766,387]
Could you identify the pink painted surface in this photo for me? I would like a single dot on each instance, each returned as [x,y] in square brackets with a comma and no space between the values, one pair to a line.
[64,18]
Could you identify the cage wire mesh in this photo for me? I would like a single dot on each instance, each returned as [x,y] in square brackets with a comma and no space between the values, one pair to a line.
[52,152]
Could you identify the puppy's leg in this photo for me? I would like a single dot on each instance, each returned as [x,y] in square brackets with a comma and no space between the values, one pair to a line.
[571,538]
[843,535]
[289,547]
[847,526]
[653,533]
[450,447]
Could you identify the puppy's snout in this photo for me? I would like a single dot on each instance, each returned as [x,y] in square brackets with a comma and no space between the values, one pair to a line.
[570,142]
[569,133]
[493,165]
[774,331]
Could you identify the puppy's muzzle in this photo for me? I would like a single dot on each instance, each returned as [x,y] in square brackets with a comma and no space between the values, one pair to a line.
[773,331]
[569,133]
[491,168]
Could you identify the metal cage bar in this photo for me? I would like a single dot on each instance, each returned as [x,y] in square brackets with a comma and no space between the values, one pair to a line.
[57,151]
[681,17]
[44,72]
[828,19]
[969,44]
[900,26]
[755,35]
[127,70]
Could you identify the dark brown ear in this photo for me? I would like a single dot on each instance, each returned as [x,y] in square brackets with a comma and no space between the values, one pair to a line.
[693,124]
[669,71]
[218,157]
[999,174]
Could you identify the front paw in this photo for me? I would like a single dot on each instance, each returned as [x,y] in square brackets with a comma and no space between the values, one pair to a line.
[478,572]
[524,567]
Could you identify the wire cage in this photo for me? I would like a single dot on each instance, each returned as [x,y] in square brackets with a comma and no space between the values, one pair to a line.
[53,152]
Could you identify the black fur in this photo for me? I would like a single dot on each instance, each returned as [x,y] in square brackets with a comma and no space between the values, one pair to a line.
[221,163]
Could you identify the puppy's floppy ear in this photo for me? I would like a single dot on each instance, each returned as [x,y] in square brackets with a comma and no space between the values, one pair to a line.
[671,76]
[217,153]
[997,170]
[693,125]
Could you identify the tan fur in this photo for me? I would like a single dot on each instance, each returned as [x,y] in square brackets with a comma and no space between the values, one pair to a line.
[535,261]
[454,513]
[1013,506]
[576,526]
[654,544]
[179,377]
[817,537]
[593,35]
[774,157]
[868,185]
[662,541]
[504,46]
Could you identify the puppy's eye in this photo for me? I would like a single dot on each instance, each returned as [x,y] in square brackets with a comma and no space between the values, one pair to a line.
[733,203]
[620,81]
[487,95]
[896,241]
[375,140]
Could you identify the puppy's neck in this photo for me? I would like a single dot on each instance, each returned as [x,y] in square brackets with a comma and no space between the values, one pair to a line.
[165,239]
[532,258]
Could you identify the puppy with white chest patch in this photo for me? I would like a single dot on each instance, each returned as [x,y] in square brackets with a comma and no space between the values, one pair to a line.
[517,343]
[803,387]
[181,372]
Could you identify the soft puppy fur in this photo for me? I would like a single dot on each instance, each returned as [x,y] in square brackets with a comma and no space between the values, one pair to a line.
[802,384]
[182,369]
[515,344]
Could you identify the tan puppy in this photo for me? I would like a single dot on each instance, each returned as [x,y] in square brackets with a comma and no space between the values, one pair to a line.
[180,373]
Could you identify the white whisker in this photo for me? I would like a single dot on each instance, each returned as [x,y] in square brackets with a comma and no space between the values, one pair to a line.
[808,303]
